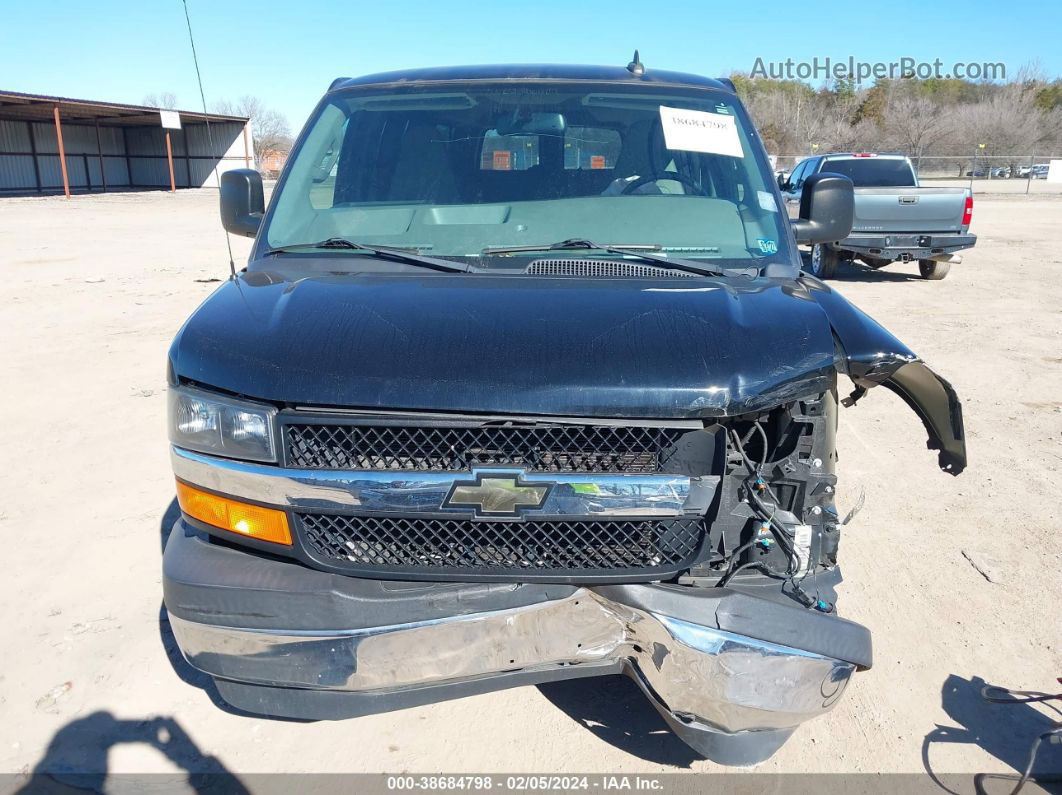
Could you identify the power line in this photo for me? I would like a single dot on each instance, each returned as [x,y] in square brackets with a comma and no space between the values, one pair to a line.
[210,138]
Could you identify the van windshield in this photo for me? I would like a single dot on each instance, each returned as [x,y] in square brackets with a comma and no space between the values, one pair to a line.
[454,169]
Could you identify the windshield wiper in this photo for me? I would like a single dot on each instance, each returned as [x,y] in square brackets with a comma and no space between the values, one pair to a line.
[572,244]
[383,252]
[638,250]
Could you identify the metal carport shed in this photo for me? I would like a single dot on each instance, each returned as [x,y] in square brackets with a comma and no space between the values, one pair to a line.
[52,144]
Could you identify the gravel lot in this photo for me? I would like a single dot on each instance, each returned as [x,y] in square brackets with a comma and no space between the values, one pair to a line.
[1031,187]
[958,578]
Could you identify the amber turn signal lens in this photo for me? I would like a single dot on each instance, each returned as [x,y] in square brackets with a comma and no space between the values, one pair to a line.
[253,521]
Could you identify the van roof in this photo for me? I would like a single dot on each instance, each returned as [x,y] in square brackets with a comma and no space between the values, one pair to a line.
[605,74]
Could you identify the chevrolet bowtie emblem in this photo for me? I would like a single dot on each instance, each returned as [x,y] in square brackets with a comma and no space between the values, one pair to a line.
[497,495]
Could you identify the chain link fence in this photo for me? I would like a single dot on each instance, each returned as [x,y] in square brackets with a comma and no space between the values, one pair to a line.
[984,174]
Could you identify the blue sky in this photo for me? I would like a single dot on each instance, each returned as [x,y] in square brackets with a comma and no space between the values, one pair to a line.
[287,53]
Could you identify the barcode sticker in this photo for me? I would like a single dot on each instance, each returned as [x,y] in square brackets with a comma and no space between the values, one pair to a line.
[802,546]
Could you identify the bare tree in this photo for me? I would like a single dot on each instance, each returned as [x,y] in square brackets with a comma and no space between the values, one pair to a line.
[779,114]
[167,100]
[270,133]
[1005,123]
[841,135]
[929,120]
[917,126]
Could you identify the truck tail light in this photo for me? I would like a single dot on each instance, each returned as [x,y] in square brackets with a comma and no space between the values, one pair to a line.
[967,211]
[253,521]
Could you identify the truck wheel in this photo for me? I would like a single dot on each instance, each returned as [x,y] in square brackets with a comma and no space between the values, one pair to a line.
[933,270]
[823,261]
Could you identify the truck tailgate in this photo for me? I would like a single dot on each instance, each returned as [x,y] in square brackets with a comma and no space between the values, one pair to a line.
[909,209]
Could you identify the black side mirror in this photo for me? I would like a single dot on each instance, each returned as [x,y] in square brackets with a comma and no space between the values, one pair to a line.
[242,201]
[783,183]
[827,204]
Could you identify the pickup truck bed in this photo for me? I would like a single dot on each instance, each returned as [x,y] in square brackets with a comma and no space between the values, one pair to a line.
[892,222]
[936,210]
[907,224]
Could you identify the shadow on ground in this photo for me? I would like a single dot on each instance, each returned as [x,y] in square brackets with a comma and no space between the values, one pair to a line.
[1006,731]
[77,757]
[185,672]
[851,272]
[616,711]
[857,272]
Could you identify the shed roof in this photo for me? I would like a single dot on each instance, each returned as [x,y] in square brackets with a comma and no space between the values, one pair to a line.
[38,107]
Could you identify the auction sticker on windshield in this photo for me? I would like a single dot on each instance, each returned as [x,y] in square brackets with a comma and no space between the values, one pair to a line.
[698,131]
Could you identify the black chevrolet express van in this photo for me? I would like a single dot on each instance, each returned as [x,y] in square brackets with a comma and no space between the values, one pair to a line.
[522,382]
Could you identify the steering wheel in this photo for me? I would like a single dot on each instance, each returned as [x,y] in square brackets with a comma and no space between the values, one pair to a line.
[685,182]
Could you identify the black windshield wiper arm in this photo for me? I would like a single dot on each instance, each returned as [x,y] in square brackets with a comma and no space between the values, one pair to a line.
[383,252]
[572,244]
[634,250]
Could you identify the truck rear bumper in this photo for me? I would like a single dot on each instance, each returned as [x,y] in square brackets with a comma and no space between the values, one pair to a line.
[906,246]
[732,674]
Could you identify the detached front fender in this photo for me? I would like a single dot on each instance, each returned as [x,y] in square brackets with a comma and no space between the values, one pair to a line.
[871,356]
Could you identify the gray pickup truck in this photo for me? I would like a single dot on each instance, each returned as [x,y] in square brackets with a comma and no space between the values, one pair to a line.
[896,220]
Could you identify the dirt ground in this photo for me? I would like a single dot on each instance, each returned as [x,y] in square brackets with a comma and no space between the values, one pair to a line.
[983,186]
[958,578]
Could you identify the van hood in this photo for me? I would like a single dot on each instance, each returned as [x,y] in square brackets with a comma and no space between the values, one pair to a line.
[511,344]
[611,348]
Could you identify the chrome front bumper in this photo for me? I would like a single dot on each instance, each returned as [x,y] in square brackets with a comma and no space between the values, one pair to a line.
[711,685]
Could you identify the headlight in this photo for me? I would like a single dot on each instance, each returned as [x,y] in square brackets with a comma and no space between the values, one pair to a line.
[210,423]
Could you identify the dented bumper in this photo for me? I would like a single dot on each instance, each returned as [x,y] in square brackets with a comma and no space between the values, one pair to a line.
[731,673]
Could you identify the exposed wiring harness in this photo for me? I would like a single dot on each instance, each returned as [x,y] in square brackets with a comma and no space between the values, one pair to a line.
[755,485]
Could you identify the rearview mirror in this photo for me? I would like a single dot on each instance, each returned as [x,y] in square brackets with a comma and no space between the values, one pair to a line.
[535,124]
[242,201]
[827,204]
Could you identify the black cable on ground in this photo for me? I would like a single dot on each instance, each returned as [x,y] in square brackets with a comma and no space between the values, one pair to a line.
[1003,695]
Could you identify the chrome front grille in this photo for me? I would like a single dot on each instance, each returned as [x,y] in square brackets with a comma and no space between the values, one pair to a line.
[466,499]
[538,447]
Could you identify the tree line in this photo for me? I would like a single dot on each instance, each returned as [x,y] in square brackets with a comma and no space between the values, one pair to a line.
[920,118]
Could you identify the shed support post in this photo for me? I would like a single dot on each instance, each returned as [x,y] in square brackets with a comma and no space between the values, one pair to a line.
[246,149]
[99,149]
[169,159]
[128,160]
[33,151]
[62,152]
[188,159]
